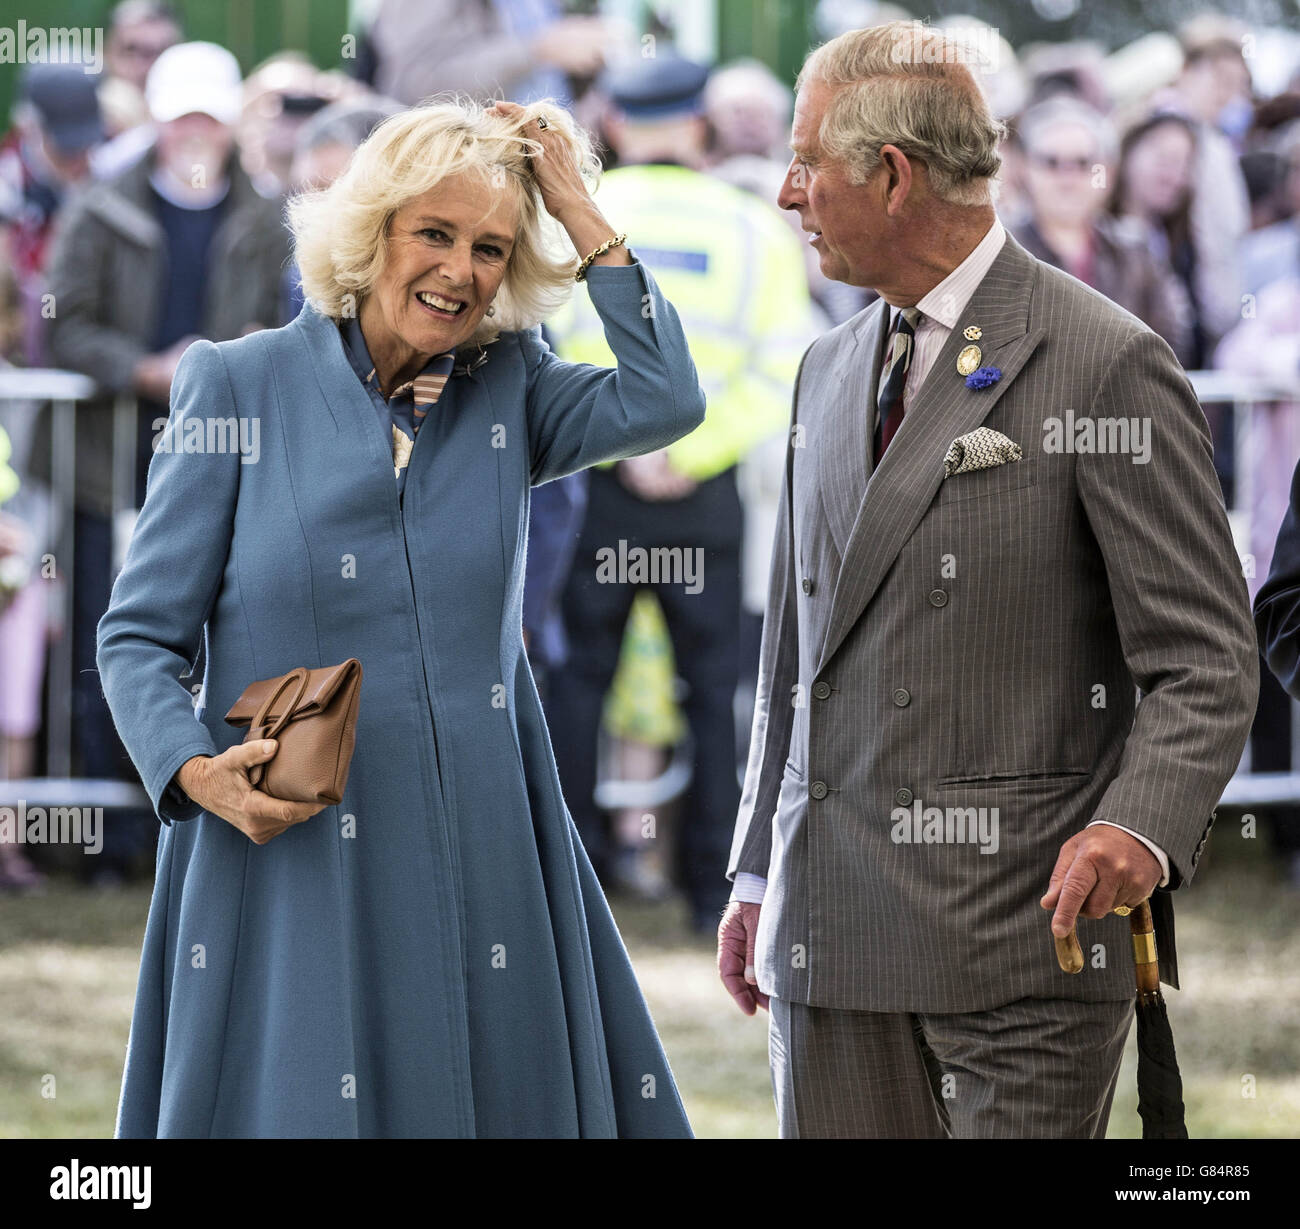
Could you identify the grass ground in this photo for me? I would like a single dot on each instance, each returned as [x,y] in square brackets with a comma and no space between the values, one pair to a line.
[68,963]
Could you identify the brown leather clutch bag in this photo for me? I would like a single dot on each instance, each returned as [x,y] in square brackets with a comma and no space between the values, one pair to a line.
[312,714]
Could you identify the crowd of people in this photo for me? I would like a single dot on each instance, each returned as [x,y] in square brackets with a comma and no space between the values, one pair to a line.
[144,208]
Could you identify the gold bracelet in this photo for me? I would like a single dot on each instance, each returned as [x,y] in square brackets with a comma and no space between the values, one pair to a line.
[608,246]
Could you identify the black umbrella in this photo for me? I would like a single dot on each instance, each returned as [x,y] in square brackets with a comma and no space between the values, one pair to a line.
[1160,1086]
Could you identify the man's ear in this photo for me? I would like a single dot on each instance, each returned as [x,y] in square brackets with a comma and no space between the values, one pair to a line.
[897,179]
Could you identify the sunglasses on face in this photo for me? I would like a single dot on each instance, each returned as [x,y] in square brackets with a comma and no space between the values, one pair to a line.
[1076,166]
[143,51]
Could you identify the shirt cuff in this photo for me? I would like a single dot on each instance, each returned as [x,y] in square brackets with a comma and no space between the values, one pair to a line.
[748,888]
[1160,854]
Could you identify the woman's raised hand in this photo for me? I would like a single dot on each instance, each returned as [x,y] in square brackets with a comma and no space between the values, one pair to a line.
[561,185]
[219,784]
[559,178]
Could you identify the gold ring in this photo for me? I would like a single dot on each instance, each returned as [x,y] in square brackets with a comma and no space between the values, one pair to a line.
[1122,910]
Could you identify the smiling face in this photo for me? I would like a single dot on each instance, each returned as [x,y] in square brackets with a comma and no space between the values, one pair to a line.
[846,220]
[447,254]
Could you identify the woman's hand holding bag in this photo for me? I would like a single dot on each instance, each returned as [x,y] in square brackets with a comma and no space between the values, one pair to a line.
[220,785]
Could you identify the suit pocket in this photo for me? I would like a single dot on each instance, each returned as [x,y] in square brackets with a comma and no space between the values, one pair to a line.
[1002,779]
[794,772]
[1009,476]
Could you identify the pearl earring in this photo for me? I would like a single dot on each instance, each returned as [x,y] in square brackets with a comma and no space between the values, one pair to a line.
[492,310]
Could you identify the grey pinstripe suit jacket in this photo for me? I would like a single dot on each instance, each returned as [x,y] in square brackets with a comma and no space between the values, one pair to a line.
[978,642]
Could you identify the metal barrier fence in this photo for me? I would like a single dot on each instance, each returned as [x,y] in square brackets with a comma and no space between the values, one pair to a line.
[1245,395]
[65,390]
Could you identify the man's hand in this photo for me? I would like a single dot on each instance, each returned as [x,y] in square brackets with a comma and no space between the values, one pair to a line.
[154,373]
[576,45]
[736,956]
[1099,868]
[219,784]
[652,477]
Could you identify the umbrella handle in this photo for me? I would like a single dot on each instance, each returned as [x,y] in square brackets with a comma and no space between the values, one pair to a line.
[1069,955]
[1145,958]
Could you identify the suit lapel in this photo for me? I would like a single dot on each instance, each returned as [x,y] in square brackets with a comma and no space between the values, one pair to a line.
[904,485]
[845,463]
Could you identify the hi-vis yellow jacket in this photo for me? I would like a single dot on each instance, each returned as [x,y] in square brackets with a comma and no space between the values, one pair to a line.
[733,269]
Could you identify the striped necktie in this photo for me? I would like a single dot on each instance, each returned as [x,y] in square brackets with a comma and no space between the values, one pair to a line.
[889,404]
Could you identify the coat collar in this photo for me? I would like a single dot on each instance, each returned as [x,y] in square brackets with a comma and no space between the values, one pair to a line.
[902,487]
[344,395]
[340,386]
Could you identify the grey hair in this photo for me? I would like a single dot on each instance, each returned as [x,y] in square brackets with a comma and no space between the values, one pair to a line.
[751,77]
[906,84]
[1062,110]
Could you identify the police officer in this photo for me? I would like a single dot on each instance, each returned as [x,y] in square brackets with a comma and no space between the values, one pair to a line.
[735,273]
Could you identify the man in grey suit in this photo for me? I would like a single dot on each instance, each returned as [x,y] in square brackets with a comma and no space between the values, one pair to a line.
[1000,521]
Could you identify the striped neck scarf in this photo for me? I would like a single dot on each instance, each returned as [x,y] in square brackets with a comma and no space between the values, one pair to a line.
[409,403]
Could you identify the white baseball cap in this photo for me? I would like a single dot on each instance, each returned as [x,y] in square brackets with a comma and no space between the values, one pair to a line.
[193,77]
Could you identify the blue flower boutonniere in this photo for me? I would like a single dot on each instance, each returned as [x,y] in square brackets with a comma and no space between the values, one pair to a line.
[982,377]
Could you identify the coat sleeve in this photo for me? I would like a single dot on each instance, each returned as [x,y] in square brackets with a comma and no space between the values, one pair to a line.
[778,672]
[151,632]
[1277,605]
[579,414]
[1180,603]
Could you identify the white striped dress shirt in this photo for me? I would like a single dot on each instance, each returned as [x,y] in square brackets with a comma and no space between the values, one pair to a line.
[942,307]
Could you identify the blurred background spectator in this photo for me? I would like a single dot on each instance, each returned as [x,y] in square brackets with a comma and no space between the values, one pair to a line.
[517,49]
[737,278]
[281,96]
[1272,250]
[748,112]
[44,156]
[139,31]
[1153,194]
[1213,92]
[177,246]
[18,718]
[1070,151]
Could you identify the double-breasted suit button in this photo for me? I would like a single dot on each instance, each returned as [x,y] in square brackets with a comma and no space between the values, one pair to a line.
[817,789]
[902,697]
[807,585]
[938,597]
[822,689]
[903,797]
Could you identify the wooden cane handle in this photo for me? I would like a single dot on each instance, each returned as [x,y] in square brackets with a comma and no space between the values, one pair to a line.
[1069,955]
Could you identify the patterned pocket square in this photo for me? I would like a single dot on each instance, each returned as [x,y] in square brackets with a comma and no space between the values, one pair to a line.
[980,449]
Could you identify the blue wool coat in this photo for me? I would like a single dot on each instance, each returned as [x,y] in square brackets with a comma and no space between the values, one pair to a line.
[434,956]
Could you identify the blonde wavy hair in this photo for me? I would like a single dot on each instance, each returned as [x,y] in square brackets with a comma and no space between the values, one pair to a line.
[341,232]
[906,84]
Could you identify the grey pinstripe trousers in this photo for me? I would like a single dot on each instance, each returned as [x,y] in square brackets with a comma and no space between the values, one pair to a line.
[1035,1069]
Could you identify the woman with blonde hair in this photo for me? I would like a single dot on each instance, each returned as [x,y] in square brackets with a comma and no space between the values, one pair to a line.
[433,956]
